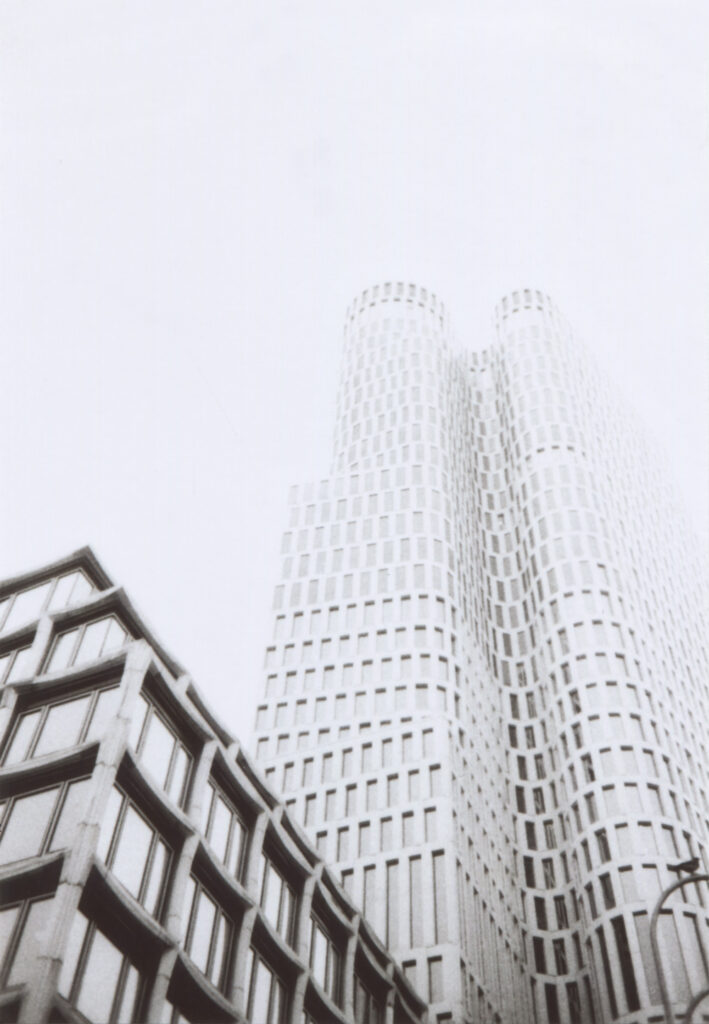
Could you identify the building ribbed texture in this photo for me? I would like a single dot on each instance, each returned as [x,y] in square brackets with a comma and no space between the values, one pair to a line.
[146,871]
[486,695]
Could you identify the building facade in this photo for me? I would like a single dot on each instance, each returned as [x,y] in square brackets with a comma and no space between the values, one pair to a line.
[146,871]
[486,696]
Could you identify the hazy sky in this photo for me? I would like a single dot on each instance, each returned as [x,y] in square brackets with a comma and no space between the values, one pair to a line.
[193,192]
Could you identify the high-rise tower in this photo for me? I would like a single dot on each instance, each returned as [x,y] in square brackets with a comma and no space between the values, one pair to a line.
[485,696]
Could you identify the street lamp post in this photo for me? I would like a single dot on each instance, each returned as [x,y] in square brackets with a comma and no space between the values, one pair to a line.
[690,866]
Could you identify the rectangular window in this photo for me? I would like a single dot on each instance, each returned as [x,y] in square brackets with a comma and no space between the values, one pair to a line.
[97,978]
[439,898]
[607,971]
[267,1002]
[277,899]
[134,851]
[392,903]
[415,915]
[60,725]
[367,1009]
[36,823]
[23,932]
[435,979]
[209,936]
[225,830]
[163,753]
[626,963]
[325,961]
[87,642]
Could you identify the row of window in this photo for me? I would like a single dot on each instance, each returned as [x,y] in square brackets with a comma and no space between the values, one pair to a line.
[368,758]
[421,784]
[382,581]
[370,613]
[50,596]
[369,837]
[73,647]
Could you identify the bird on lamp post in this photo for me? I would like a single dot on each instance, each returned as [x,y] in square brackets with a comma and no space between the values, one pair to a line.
[690,866]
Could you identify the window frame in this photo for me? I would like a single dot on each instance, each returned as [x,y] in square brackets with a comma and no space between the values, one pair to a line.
[225,970]
[275,864]
[238,819]
[154,709]
[45,709]
[7,807]
[332,984]
[79,972]
[127,802]
[81,629]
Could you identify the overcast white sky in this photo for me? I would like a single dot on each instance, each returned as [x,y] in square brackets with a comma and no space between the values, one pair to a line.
[193,192]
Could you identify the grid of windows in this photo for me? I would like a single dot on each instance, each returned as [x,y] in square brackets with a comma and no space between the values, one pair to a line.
[480,553]
[142,865]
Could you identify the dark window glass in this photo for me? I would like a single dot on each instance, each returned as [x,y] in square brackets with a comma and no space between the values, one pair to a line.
[368,1009]
[626,963]
[607,971]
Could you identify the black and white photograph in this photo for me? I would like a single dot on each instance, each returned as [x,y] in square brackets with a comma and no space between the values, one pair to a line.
[354,525]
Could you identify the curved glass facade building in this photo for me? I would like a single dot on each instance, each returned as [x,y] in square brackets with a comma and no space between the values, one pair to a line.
[486,693]
[146,871]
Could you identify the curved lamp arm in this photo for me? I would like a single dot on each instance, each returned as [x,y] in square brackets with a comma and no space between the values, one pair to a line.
[679,884]
[689,1012]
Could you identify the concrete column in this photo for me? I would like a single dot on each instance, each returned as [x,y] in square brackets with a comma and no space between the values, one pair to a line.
[78,861]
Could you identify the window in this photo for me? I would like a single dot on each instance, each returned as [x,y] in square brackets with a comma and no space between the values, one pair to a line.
[562,917]
[97,978]
[225,830]
[208,935]
[277,899]
[267,994]
[367,1009]
[435,979]
[72,588]
[607,890]
[39,822]
[134,851]
[23,928]
[63,724]
[574,997]
[626,963]
[603,848]
[86,643]
[15,664]
[160,749]
[325,961]
[559,956]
